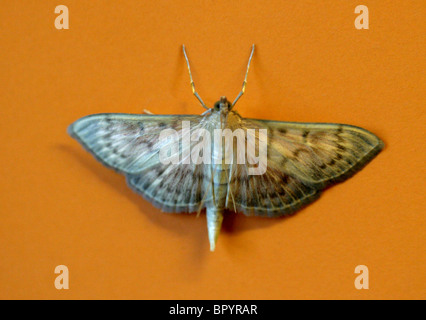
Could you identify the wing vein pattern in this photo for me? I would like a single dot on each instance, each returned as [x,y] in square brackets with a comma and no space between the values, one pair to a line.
[302,160]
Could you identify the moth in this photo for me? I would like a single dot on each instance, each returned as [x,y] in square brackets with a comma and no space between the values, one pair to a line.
[302,159]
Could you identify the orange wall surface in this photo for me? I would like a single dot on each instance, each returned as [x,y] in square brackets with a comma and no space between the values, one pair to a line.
[59,206]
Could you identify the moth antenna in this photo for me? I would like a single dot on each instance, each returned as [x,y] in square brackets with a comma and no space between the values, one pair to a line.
[192,81]
[245,79]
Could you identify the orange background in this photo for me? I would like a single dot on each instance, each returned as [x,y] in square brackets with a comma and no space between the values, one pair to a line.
[59,206]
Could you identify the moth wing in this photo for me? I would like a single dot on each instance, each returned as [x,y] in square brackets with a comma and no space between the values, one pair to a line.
[130,144]
[320,154]
[271,194]
[302,159]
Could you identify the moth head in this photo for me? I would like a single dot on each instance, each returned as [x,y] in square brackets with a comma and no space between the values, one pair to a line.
[222,105]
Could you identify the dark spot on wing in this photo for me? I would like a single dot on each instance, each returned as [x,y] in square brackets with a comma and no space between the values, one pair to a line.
[187,197]
[284,179]
[160,170]
[146,184]
[339,138]
[298,151]
[198,197]
[270,133]
[339,146]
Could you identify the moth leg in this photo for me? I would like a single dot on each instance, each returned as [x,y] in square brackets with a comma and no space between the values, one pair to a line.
[147,111]
[245,79]
[206,112]
[192,81]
